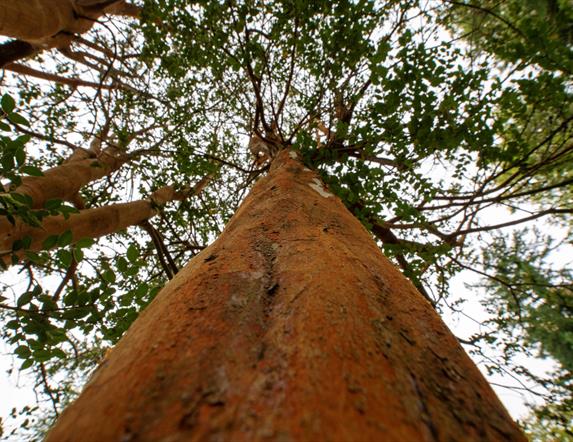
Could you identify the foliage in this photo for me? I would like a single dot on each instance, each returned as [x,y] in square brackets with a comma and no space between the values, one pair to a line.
[58,382]
[551,423]
[528,294]
[531,44]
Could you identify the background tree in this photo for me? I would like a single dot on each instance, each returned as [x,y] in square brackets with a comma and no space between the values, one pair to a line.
[531,45]
[415,133]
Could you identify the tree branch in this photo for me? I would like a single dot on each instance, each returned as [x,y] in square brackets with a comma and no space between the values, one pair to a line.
[74,82]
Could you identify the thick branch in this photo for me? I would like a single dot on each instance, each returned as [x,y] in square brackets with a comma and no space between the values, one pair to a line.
[14,50]
[65,181]
[89,223]
[42,23]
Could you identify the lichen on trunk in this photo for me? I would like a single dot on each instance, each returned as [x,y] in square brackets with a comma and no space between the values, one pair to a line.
[292,326]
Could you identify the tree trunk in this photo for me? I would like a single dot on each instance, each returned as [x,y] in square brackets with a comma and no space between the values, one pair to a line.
[292,326]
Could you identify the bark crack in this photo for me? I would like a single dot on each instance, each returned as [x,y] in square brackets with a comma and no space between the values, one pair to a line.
[425,412]
[266,249]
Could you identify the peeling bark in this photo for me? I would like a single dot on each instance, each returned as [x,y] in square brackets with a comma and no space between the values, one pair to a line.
[292,326]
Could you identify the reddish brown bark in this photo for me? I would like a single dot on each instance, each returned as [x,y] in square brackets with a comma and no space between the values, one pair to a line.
[292,326]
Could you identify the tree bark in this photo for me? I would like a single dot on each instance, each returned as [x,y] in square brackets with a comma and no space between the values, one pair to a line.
[292,326]
[89,223]
[51,23]
[74,82]
[64,181]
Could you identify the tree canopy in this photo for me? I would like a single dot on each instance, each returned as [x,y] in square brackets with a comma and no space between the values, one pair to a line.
[422,117]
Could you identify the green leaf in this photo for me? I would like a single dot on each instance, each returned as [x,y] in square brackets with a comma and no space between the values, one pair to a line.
[58,353]
[34,257]
[42,355]
[132,253]
[65,257]
[17,245]
[48,303]
[32,171]
[52,204]
[78,254]
[24,299]
[26,242]
[14,324]
[84,297]
[71,298]
[142,290]
[65,238]
[76,313]
[85,243]
[20,156]
[22,199]
[109,276]
[132,271]
[23,351]
[23,139]
[8,103]
[67,210]
[122,264]
[27,364]
[50,242]
[18,119]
